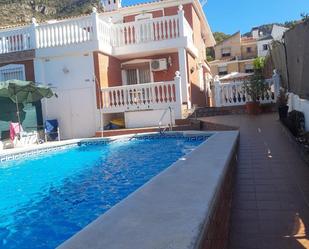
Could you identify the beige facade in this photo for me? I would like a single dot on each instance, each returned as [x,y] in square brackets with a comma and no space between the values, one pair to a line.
[235,54]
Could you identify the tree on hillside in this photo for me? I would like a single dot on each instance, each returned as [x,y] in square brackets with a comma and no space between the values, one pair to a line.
[220,36]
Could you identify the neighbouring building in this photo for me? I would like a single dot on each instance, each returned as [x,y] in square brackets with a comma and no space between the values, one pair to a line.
[117,64]
[237,53]
[264,41]
[234,54]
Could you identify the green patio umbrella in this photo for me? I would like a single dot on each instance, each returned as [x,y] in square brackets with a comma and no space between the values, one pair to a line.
[20,91]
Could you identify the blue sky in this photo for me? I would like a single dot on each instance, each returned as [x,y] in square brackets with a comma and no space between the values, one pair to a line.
[230,16]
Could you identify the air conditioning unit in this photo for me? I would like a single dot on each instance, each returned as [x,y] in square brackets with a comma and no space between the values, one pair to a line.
[159,65]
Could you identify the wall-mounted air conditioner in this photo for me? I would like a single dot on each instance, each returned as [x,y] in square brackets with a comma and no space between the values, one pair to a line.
[159,65]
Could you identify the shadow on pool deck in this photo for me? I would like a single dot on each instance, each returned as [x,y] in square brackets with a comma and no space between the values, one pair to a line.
[270,207]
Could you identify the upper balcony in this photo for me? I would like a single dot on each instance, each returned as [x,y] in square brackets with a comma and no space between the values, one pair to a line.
[92,33]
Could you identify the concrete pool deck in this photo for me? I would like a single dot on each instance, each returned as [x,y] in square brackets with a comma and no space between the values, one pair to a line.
[172,210]
[270,207]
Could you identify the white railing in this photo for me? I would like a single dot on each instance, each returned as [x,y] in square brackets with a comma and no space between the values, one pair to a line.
[64,33]
[148,96]
[233,93]
[94,28]
[15,40]
[156,29]
[105,32]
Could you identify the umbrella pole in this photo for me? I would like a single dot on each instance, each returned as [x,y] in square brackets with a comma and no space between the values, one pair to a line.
[18,117]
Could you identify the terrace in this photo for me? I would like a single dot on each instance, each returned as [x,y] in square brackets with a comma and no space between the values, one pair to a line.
[271,189]
[93,33]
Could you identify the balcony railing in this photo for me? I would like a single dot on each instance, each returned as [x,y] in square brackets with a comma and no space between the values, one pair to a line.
[64,33]
[233,93]
[15,40]
[148,96]
[93,28]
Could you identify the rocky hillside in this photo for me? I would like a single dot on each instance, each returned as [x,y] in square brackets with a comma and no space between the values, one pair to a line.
[21,11]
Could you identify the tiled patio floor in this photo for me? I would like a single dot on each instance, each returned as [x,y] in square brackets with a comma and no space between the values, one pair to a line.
[271,197]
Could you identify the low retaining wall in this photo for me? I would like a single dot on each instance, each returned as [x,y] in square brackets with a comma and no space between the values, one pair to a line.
[184,207]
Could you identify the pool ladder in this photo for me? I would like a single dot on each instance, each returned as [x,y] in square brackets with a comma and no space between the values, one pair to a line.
[170,125]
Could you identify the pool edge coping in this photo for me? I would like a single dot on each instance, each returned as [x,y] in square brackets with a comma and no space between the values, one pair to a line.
[198,236]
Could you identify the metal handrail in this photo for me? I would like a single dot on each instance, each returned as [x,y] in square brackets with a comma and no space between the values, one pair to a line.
[170,126]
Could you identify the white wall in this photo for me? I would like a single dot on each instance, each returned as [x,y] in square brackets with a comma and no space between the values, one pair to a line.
[147,118]
[298,104]
[72,80]
[278,32]
[260,44]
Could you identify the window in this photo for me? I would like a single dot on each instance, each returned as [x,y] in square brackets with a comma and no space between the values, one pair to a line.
[249,68]
[249,49]
[138,74]
[226,52]
[12,72]
[222,70]
[265,47]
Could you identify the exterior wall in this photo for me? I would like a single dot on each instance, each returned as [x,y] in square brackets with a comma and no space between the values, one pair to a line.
[298,104]
[232,66]
[166,75]
[248,55]
[278,32]
[197,35]
[260,45]
[107,71]
[72,80]
[242,65]
[233,43]
[197,94]
[147,118]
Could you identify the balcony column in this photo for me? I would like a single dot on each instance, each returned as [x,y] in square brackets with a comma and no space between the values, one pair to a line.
[181,15]
[33,37]
[95,21]
[182,57]
[178,108]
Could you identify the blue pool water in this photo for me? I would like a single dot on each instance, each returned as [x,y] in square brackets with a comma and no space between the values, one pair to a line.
[44,200]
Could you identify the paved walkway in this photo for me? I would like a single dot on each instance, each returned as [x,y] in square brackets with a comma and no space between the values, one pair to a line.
[271,197]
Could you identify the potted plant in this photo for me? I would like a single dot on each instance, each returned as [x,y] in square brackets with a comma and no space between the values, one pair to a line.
[282,103]
[255,87]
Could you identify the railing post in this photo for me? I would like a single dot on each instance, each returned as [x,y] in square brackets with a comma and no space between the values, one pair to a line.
[181,16]
[178,95]
[217,91]
[94,16]
[33,35]
[276,81]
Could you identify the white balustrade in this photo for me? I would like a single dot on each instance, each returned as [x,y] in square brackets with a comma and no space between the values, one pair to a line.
[137,32]
[105,34]
[15,40]
[233,93]
[146,96]
[64,33]
[93,27]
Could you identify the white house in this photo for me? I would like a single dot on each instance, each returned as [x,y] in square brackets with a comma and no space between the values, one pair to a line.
[264,41]
[117,64]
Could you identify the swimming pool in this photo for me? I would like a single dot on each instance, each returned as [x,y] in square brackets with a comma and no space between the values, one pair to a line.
[46,199]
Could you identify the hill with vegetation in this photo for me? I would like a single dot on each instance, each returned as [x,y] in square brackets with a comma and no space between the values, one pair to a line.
[21,11]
